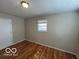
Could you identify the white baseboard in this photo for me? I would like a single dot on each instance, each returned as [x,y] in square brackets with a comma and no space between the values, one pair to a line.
[13,43]
[53,47]
[18,41]
[45,45]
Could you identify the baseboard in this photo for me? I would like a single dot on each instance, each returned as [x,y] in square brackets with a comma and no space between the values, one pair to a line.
[18,42]
[45,45]
[13,44]
[53,47]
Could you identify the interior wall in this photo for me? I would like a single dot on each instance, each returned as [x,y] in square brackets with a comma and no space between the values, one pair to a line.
[62,31]
[5,32]
[13,30]
[78,36]
[18,29]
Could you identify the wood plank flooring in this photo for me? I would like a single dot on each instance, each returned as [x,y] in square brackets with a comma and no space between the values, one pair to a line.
[30,50]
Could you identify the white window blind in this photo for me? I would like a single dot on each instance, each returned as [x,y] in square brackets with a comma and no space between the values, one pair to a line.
[42,25]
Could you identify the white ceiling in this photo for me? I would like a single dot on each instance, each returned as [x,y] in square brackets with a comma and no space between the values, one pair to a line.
[38,7]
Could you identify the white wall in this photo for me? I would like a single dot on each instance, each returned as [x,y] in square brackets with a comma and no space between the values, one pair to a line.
[18,29]
[13,30]
[62,31]
[78,36]
[5,32]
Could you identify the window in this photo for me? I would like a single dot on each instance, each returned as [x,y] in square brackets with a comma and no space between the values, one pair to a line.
[42,25]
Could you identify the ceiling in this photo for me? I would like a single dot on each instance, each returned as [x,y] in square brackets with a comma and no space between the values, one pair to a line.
[38,7]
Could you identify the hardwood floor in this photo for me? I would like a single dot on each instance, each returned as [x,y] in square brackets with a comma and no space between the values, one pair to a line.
[30,50]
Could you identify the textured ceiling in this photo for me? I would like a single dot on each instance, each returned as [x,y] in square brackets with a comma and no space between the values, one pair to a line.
[38,7]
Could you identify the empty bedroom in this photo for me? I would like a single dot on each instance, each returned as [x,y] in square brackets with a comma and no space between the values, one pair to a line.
[39,29]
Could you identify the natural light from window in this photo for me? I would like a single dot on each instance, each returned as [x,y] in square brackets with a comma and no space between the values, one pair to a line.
[42,25]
